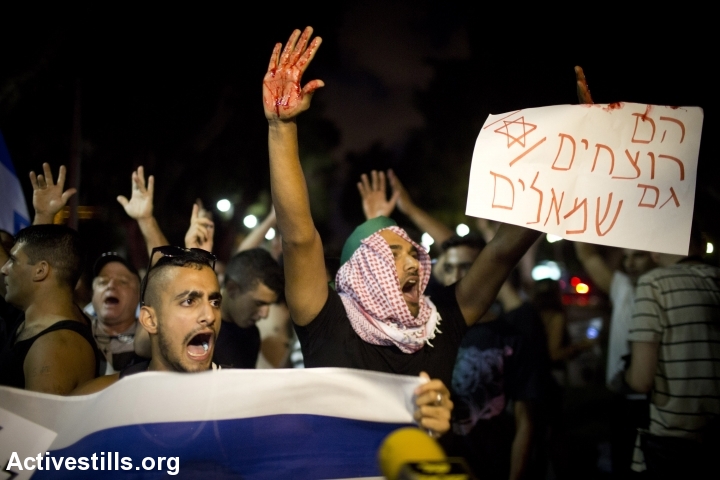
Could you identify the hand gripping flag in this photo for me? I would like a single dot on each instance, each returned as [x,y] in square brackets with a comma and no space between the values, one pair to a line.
[251,424]
[13,210]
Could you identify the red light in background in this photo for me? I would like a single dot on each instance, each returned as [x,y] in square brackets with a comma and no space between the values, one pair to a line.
[574,281]
[582,289]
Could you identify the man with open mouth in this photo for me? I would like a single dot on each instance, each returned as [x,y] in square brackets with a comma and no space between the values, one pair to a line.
[116,294]
[377,318]
[181,311]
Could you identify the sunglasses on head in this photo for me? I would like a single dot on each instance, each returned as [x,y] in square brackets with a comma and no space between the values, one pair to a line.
[169,251]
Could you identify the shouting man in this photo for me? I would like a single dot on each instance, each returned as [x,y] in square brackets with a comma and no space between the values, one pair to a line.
[180,310]
[378,319]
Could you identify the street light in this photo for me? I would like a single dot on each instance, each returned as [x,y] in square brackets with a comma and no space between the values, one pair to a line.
[462,230]
[427,241]
[224,205]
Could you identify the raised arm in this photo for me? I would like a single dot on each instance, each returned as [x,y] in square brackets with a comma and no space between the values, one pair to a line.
[202,229]
[284,99]
[591,260]
[140,208]
[478,289]
[422,220]
[48,197]
[595,265]
[373,191]
[257,235]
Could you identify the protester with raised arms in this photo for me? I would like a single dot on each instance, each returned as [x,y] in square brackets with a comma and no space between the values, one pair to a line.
[378,319]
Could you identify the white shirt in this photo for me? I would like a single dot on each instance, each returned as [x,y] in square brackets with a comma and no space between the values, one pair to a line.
[622,296]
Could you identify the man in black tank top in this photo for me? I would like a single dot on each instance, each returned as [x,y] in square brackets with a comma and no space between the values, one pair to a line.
[52,350]
[181,311]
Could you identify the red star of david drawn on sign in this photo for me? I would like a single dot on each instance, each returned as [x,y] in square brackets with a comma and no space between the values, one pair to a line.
[512,131]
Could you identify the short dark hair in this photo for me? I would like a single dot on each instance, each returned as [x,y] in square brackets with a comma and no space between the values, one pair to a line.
[472,240]
[251,267]
[58,245]
[188,260]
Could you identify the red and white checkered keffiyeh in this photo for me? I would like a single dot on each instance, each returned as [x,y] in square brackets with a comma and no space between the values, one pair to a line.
[369,287]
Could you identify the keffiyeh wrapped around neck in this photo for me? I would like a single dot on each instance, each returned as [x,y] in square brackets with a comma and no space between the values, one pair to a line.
[369,287]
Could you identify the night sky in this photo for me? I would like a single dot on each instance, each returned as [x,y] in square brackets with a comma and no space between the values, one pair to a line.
[408,86]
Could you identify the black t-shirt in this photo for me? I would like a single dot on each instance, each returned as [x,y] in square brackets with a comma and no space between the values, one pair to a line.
[12,356]
[497,363]
[237,347]
[10,319]
[330,341]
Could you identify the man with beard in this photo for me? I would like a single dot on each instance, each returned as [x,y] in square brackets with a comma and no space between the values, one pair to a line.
[378,319]
[181,306]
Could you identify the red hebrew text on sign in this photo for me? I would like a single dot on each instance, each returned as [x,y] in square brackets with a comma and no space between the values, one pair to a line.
[606,153]
[506,181]
[643,122]
[569,163]
[577,206]
[622,167]
[672,197]
[653,189]
[678,123]
[599,222]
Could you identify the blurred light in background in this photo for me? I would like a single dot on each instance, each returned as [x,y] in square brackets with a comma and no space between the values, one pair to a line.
[710,248]
[250,221]
[224,205]
[426,241]
[592,333]
[552,238]
[574,281]
[270,234]
[582,288]
[545,270]
[462,230]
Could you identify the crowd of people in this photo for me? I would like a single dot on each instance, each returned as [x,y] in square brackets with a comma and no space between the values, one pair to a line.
[486,338]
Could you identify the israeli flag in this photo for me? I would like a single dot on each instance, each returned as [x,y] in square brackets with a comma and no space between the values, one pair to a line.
[320,423]
[13,210]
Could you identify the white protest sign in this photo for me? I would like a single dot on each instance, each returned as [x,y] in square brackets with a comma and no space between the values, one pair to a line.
[21,439]
[621,174]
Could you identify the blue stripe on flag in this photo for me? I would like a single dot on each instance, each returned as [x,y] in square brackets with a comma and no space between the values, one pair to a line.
[19,222]
[269,447]
[5,156]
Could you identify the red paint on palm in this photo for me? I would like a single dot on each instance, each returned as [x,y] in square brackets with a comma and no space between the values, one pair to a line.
[283,97]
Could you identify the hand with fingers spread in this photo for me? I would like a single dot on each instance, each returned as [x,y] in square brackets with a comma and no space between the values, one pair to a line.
[48,197]
[583,91]
[140,205]
[434,407]
[140,208]
[283,97]
[374,195]
[201,231]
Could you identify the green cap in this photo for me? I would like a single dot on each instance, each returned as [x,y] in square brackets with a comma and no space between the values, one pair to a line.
[362,232]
